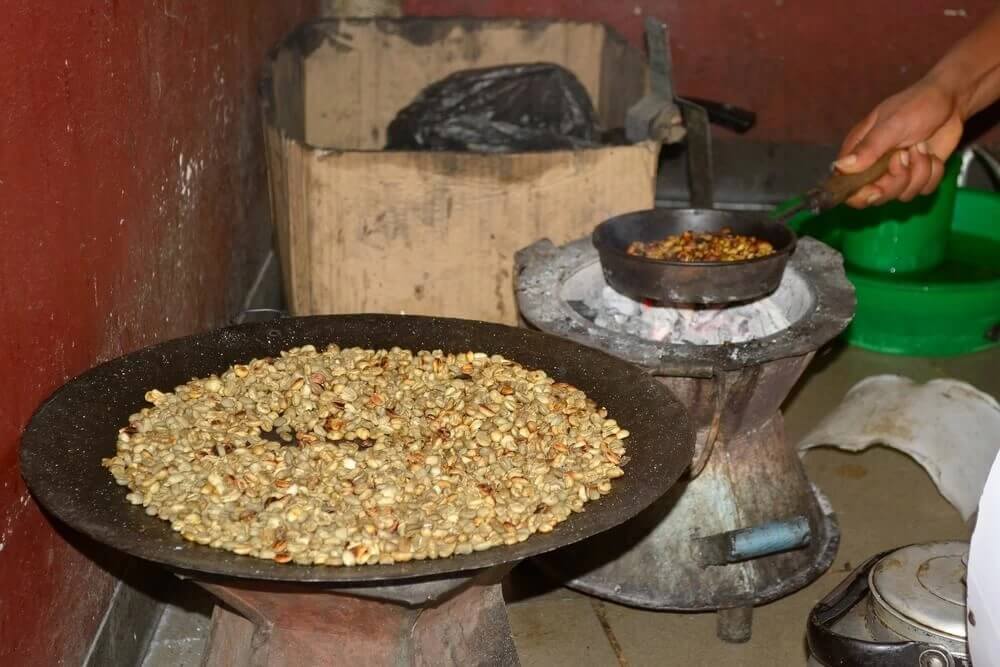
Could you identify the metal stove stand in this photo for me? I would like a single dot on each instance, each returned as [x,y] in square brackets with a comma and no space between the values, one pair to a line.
[746,526]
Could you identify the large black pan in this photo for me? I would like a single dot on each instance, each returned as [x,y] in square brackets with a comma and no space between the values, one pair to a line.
[63,444]
[711,282]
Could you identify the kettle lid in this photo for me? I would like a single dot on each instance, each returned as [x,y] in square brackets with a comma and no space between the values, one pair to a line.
[919,591]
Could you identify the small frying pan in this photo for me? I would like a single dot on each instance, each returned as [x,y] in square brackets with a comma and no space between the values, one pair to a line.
[665,281]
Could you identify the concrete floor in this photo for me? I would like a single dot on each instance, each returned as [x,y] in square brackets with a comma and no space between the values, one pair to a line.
[882,499]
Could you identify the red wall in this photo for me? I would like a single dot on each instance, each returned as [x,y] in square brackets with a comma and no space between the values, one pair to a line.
[131,192]
[811,69]
[131,188]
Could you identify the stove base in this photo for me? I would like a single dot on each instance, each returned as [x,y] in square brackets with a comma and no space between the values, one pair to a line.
[455,621]
[652,561]
[617,591]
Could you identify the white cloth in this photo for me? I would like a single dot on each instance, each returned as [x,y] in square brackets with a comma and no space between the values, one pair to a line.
[949,427]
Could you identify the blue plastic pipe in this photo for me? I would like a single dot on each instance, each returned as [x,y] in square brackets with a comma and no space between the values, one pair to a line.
[749,543]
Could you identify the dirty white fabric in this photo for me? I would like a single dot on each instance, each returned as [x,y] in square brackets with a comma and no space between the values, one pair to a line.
[983,577]
[949,427]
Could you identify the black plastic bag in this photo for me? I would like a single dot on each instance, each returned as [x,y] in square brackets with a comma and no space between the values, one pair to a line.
[532,107]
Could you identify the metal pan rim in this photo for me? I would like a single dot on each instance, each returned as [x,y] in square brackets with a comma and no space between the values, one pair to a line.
[604,246]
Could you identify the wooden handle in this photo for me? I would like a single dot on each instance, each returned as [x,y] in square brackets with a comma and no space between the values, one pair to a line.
[840,186]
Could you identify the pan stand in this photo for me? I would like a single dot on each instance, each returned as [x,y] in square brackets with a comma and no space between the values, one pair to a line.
[459,620]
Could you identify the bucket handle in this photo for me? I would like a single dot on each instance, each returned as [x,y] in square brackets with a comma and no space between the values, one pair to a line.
[989,161]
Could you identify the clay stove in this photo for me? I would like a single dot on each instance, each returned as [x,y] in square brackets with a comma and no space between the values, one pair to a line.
[747,526]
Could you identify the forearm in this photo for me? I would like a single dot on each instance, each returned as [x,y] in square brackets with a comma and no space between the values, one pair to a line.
[971,69]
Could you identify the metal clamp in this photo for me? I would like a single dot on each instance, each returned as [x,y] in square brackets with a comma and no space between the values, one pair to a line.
[833,649]
[656,115]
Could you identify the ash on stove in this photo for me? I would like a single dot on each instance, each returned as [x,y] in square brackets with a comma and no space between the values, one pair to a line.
[590,296]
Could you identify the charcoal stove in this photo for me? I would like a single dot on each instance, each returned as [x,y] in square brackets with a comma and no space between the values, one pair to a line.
[746,526]
[422,612]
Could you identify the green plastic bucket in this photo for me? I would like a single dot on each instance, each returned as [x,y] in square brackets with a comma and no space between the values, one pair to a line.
[949,309]
[902,237]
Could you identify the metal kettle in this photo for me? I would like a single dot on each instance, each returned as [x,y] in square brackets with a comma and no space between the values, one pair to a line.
[901,608]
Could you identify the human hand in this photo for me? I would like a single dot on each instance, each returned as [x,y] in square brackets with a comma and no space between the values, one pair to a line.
[922,124]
